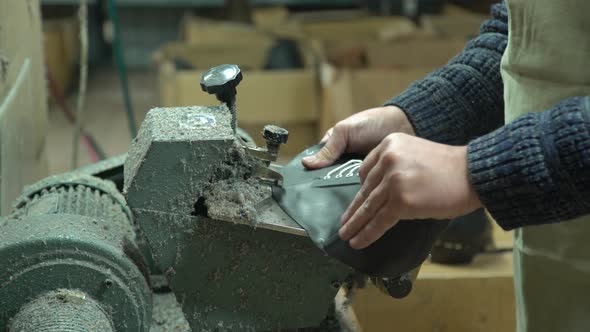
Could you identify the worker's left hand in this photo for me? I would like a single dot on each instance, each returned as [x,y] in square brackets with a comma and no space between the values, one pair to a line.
[406,177]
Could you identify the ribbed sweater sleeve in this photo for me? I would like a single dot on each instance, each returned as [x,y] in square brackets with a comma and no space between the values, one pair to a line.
[463,99]
[536,169]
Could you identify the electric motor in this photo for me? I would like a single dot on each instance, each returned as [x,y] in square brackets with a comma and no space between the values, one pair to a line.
[70,261]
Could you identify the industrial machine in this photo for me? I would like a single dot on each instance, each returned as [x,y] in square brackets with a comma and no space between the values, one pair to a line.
[243,244]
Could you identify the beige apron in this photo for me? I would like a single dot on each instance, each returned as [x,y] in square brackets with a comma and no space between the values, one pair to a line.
[547,60]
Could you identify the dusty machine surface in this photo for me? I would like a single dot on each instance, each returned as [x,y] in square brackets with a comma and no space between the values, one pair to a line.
[189,235]
[70,260]
[202,199]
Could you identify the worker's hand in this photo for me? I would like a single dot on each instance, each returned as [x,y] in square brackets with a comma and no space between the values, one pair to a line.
[359,133]
[407,177]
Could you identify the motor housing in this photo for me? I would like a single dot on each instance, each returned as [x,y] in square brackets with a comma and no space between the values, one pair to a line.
[72,234]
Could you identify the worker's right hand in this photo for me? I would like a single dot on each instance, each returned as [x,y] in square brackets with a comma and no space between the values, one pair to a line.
[359,133]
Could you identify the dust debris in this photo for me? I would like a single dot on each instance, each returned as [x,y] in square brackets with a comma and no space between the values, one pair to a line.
[235,200]
[233,192]
[167,315]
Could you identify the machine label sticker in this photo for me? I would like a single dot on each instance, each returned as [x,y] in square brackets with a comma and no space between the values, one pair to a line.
[198,121]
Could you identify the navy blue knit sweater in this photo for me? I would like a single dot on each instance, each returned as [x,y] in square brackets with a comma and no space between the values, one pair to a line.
[534,170]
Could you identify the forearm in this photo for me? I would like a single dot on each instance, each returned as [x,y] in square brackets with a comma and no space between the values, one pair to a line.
[535,170]
[463,99]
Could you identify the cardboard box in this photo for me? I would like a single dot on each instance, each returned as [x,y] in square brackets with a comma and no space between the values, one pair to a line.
[248,55]
[201,31]
[270,24]
[335,25]
[346,91]
[270,17]
[221,37]
[279,96]
[414,52]
[359,28]
[61,44]
[289,98]
[338,25]
[358,76]
[343,54]
[454,22]
[477,297]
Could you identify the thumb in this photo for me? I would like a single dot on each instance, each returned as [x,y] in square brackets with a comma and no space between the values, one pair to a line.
[335,146]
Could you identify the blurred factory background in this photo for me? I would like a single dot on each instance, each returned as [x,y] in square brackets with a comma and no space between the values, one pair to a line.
[307,64]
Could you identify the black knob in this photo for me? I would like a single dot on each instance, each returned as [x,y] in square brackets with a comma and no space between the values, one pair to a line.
[398,287]
[222,82]
[275,135]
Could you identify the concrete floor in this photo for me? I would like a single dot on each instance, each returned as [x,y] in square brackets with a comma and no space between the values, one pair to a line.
[104,116]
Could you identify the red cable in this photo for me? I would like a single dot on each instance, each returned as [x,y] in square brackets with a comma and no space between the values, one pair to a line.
[60,99]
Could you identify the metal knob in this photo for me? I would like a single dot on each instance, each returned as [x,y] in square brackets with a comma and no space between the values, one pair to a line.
[275,134]
[397,288]
[222,82]
[274,137]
